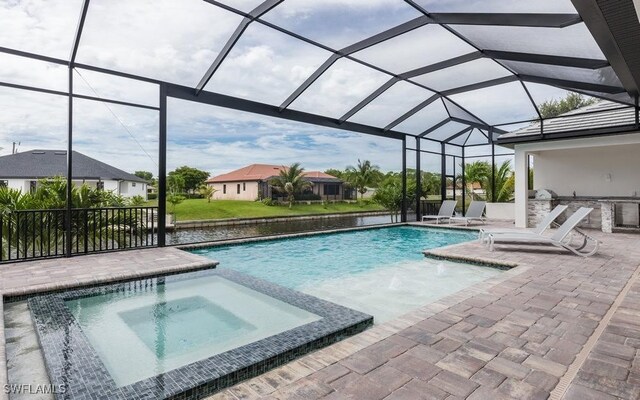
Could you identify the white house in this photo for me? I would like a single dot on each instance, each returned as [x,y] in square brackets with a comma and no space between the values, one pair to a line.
[22,171]
[582,160]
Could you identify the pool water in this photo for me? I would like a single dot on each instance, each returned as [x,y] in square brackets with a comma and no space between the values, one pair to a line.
[381,272]
[177,323]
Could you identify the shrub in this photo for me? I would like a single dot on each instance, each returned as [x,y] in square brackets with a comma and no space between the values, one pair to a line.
[307,196]
[152,196]
[136,201]
[268,202]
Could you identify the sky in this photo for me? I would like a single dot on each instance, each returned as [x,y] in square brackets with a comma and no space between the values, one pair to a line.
[178,40]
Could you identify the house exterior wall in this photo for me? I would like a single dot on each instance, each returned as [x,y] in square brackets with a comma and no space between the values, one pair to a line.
[132,189]
[251,190]
[124,188]
[596,171]
[596,167]
[17,184]
[248,192]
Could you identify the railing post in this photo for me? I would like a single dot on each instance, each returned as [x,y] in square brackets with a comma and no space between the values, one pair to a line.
[162,168]
[86,231]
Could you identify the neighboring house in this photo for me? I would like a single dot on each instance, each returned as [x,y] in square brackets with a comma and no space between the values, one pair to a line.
[252,182]
[22,171]
[477,189]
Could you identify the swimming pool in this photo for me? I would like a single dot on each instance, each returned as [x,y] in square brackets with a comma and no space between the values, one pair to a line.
[379,271]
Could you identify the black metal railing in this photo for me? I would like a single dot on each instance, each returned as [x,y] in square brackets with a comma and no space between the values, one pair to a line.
[430,207]
[30,234]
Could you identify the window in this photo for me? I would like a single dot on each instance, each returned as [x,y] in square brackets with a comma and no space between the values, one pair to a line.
[224,189]
[331,189]
[133,184]
[4,183]
[32,186]
[100,185]
[244,186]
[238,190]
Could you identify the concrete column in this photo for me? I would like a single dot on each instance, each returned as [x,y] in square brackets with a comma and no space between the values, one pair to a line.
[521,187]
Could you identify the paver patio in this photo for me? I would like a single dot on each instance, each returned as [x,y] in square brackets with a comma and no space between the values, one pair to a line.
[556,326]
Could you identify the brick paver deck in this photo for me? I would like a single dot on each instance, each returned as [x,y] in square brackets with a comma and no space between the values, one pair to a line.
[556,326]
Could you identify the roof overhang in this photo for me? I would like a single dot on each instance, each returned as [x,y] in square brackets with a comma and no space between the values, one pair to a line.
[615,26]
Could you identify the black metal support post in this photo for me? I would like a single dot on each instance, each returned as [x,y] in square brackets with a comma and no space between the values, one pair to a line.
[418,181]
[162,168]
[464,185]
[443,173]
[72,60]
[403,213]
[493,172]
[69,191]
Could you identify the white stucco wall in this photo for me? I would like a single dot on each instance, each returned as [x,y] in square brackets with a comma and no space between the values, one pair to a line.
[598,166]
[595,171]
[131,189]
[503,211]
[18,184]
[125,188]
[248,192]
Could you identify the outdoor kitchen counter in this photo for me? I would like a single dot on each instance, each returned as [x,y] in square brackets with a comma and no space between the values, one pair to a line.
[608,212]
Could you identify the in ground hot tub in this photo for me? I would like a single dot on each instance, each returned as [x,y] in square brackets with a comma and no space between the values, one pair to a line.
[185,335]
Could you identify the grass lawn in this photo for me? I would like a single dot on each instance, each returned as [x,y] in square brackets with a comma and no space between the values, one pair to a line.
[194,209]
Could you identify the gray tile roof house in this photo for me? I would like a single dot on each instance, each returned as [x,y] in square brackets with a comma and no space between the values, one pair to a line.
[603,114]
[37,164]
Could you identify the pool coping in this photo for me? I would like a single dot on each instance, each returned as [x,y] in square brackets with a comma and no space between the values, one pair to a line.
[198,379]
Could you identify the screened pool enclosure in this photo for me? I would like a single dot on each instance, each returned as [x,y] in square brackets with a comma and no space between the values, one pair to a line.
[447,79]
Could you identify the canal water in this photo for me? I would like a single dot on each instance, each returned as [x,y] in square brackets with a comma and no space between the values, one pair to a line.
[213,233]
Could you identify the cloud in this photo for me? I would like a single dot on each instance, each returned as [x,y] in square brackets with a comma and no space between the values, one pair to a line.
[178,40]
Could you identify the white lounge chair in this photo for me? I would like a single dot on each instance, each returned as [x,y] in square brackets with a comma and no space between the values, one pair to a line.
[558,239]
[539,229]
[474,213]
[446,212]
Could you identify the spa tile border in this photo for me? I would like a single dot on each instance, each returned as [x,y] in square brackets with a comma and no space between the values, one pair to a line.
[87,377]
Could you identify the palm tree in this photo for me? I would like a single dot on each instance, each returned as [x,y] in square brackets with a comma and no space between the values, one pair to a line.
[207,191]
[504,183]
[477,172]
[362,176]
[41,231]
[290,181]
